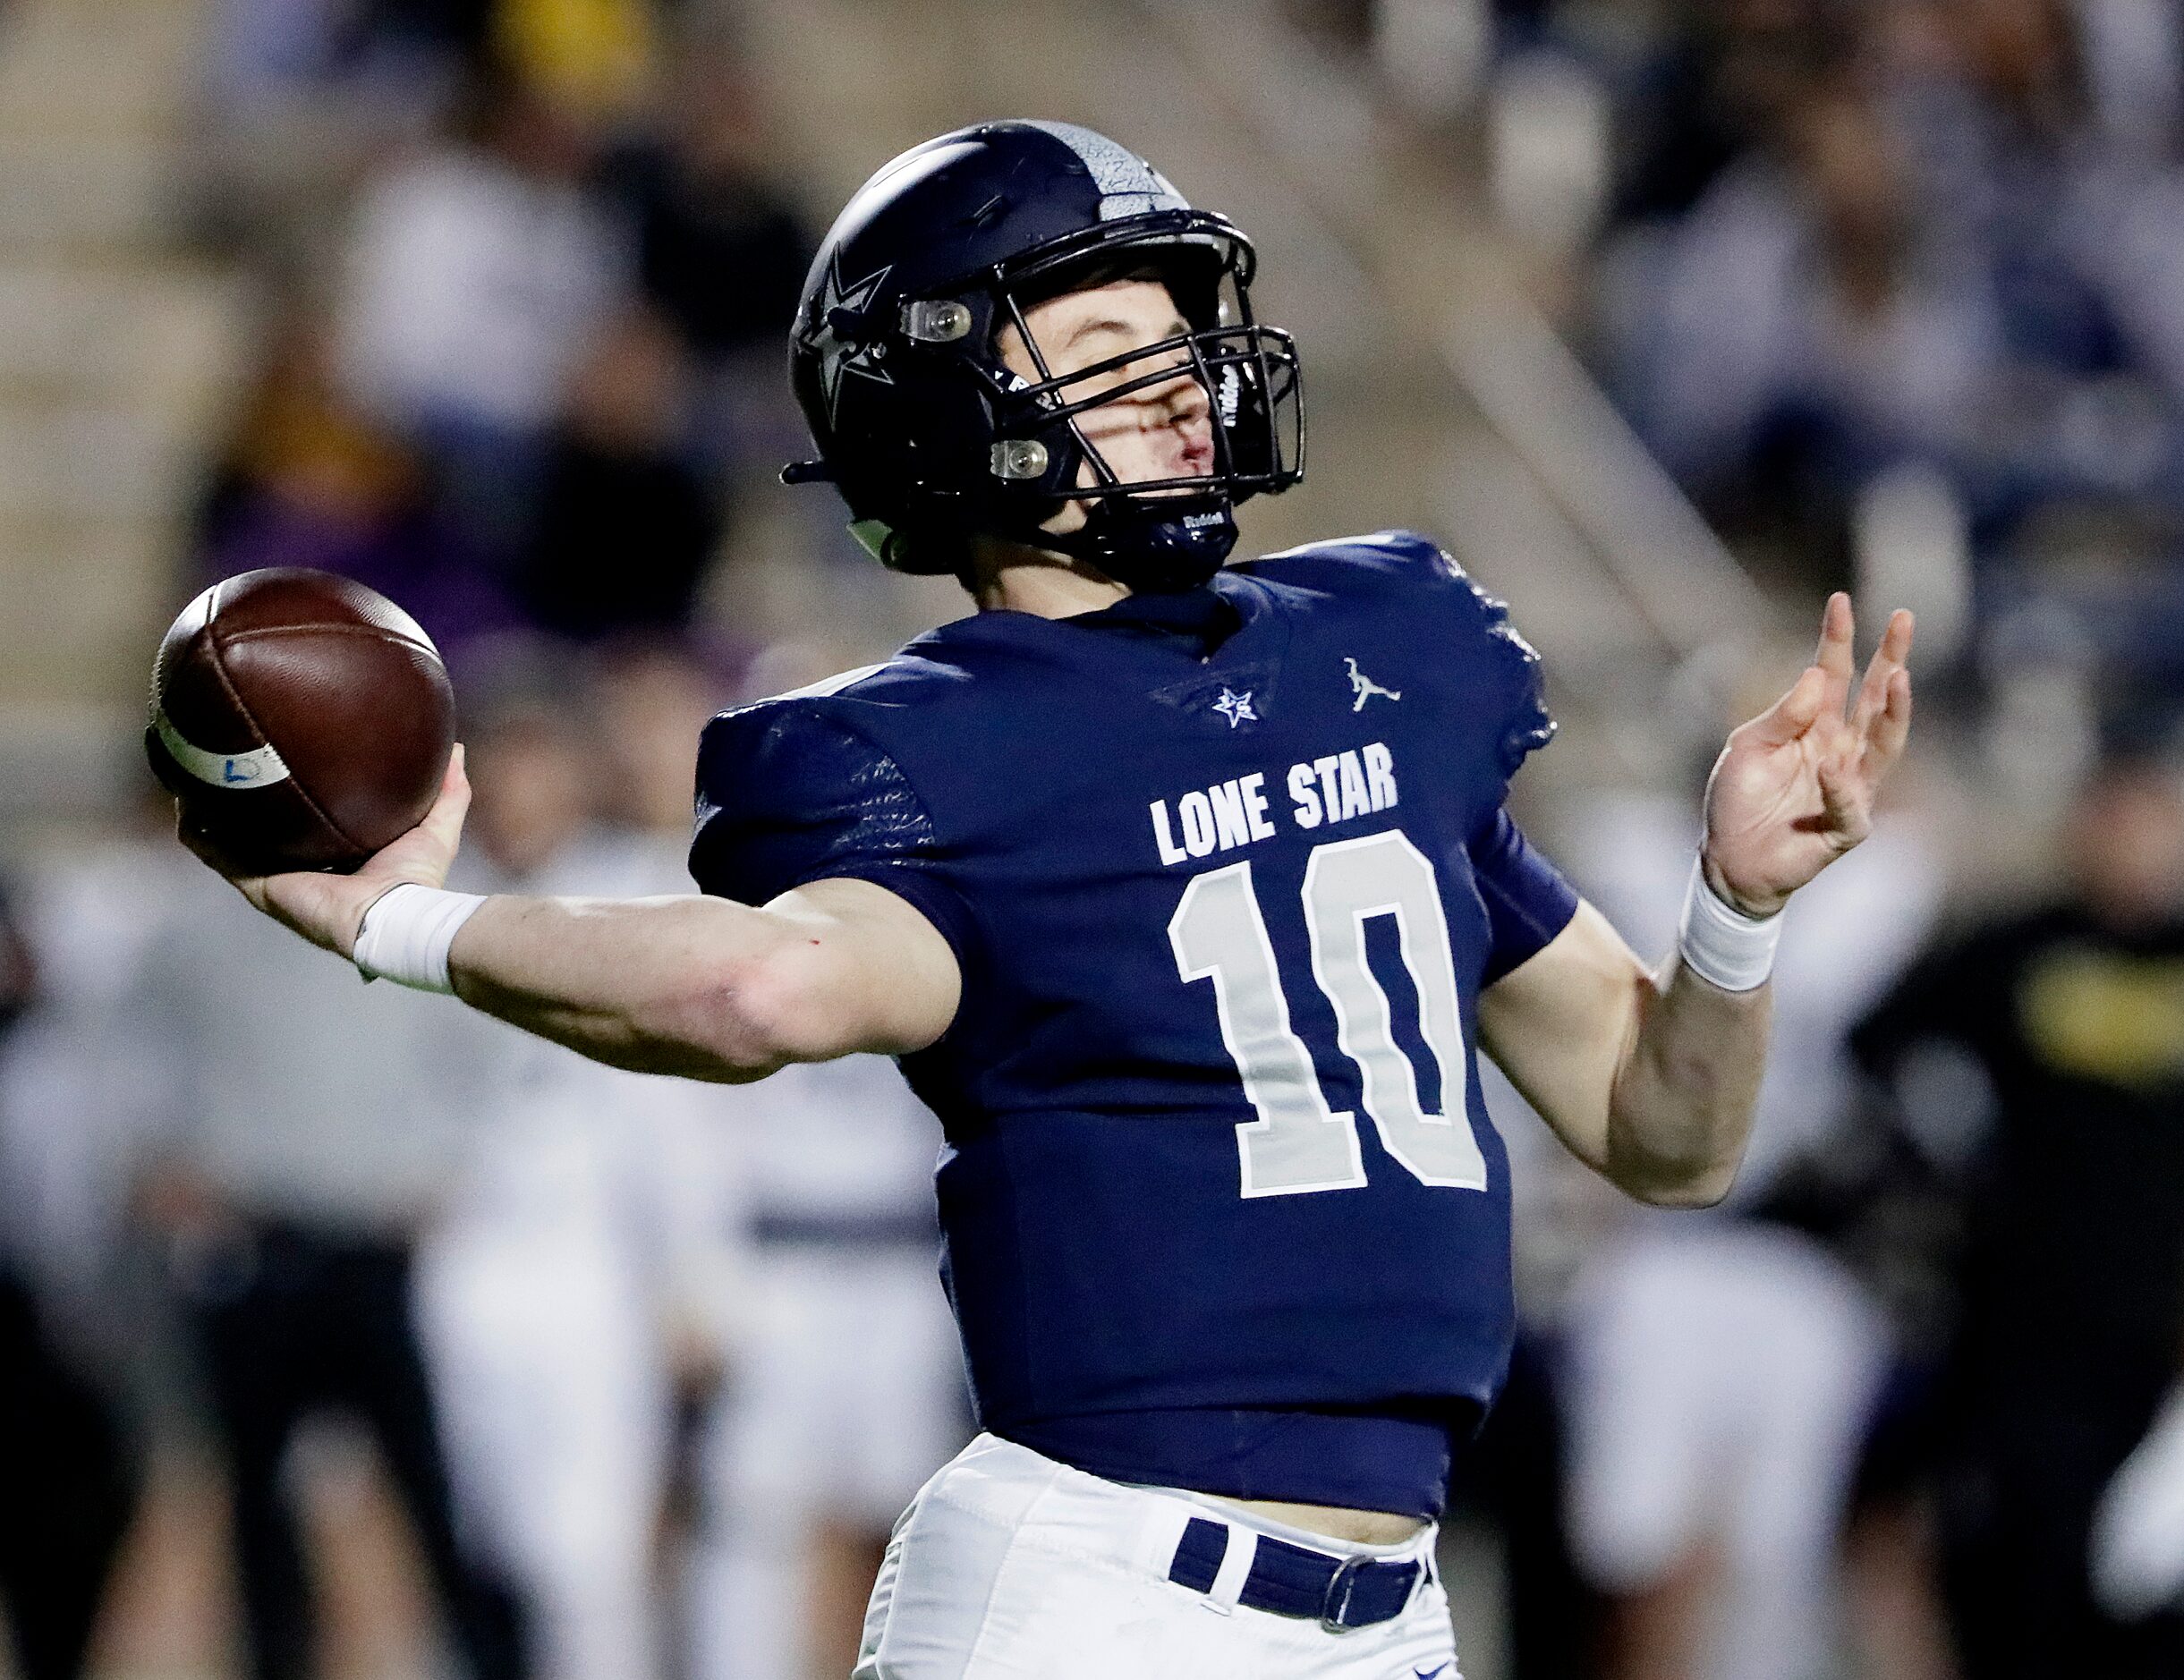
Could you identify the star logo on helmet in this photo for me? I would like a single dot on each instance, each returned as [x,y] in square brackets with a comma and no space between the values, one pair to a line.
[836,356]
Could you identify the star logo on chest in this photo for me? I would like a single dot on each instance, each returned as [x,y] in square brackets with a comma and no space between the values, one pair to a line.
[1235,707]
[838,356]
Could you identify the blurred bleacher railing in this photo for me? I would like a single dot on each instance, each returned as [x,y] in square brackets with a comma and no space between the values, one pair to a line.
[116,356]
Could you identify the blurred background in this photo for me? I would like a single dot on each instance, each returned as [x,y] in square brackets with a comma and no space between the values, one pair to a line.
[344,1333]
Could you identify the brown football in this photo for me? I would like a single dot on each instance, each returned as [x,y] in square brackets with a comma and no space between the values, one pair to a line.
[301,720]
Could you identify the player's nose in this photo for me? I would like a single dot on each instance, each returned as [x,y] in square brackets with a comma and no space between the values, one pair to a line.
[1179,401]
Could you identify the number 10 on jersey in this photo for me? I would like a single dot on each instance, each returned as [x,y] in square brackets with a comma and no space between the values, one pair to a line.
[1298,1144]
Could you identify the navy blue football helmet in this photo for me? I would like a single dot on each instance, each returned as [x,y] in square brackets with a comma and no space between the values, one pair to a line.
[931,438]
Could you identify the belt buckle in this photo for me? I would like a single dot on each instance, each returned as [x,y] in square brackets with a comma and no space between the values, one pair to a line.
[1335,1602]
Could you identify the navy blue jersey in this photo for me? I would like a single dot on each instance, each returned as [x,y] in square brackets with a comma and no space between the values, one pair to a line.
[1221,1204]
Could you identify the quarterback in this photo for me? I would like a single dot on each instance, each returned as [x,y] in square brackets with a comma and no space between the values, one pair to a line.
[1186,894]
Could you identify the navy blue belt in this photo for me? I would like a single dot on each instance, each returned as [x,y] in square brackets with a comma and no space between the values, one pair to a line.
[1339,1592]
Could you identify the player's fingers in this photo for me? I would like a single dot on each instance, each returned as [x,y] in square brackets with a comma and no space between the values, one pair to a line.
[443,821]
[1895,640]
[1880,670]
[1846,798]
[1834,655]
[1884,740]
[1795,713]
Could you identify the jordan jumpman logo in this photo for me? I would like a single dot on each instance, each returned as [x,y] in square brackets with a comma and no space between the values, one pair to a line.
[1364,688]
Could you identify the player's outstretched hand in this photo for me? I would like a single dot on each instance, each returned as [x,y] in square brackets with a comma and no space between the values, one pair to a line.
[328,909]
[1794,788]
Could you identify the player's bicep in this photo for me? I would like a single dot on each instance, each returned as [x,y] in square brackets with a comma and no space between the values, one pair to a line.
[1561,1025]
[800,812]
[856,967]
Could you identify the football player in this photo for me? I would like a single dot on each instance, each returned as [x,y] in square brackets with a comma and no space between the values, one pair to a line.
[1187,895]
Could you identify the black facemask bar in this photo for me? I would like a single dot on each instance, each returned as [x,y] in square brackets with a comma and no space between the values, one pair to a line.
[1252,386]
[1249,374]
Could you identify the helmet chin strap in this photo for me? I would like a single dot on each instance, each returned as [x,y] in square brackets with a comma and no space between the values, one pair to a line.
[1158,546]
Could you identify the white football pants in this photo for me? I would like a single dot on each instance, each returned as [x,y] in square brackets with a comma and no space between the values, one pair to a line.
[1010,1567]
[1720,1378]
[554,1410]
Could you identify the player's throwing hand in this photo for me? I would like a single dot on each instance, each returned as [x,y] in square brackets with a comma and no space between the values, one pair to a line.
[1794,788]
[328,908]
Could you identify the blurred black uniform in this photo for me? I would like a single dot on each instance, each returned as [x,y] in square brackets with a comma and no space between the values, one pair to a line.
[2072,1271]
[632,501]
[69,1479]
[292,1320]
[719,253]
[68,1487]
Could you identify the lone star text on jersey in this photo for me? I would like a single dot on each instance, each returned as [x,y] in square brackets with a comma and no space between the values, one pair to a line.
[1355,783]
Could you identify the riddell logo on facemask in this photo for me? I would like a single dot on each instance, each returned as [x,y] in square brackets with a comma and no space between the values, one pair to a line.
[1231,395]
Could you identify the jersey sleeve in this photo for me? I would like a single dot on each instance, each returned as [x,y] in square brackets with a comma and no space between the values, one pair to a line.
[789,795]
[1477,623]
[1419,582]
[1527,900]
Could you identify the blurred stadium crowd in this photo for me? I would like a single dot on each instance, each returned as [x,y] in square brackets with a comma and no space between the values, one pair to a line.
[344,1333]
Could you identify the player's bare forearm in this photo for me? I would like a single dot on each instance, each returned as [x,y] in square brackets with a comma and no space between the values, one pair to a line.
[1681,1108]
[661,986]
[609,979]
[704,988]
[1648,1077]
[707,988]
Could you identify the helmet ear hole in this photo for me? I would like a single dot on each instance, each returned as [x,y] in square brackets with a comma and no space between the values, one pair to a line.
[900,555]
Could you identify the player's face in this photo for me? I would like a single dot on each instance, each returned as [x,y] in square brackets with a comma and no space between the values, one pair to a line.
[1162,430]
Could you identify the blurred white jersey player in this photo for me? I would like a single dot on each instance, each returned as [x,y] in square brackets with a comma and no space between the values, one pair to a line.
[581,1253]
[845,1388]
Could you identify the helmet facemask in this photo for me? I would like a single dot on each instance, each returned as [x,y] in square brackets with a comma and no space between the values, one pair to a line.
[1154,534]
[936,441]
[986,451]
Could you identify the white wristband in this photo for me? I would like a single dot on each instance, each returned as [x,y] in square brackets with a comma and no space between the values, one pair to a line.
[1721,943]
[405,936]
